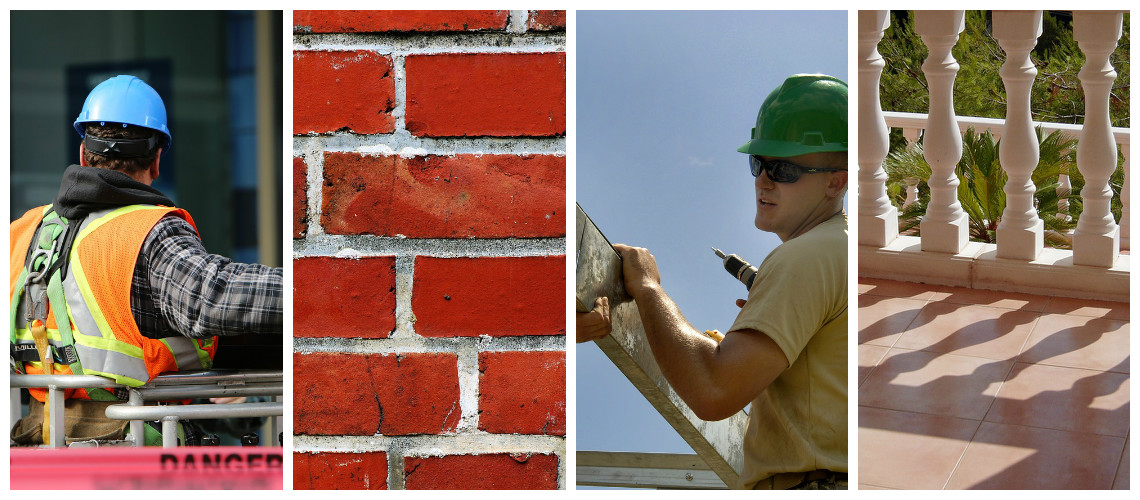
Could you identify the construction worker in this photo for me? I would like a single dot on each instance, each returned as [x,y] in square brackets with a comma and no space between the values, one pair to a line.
[111,279]
[786,353]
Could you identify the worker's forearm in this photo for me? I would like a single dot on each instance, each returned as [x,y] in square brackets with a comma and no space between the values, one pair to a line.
[683,353]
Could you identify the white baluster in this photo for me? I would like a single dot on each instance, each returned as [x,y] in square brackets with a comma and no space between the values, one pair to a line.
[1064,189]
[911,191]
[1096,240]
[911,136]
[944,225]
[1020,234]
[878,218]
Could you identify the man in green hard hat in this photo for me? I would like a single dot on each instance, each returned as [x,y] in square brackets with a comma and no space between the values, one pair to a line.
[786,353]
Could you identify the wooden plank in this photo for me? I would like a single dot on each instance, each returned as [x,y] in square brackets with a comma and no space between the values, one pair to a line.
[644,470]
[719,443]
[599,267]
[616,477]
[682,461]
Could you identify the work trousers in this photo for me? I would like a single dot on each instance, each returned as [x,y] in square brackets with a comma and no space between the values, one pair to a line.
[830,483]
[83,420]
[814,480]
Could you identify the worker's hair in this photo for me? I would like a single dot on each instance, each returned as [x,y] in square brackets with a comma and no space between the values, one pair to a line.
[836,159]
[118,131]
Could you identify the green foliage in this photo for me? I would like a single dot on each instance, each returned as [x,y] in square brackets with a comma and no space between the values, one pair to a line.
[978,89]
[982,181]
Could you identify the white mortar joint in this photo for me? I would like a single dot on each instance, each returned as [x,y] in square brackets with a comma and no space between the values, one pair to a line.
[434,44]
[425,445]
[405,318]
[517,21]
[329,245]
[414,344]
[468,389]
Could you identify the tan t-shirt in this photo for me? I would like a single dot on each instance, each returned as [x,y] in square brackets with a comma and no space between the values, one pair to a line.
[799,299]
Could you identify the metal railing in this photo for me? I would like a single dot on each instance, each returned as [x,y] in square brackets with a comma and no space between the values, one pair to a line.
[173,386]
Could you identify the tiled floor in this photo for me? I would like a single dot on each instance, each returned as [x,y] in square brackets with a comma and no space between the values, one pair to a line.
[974,389]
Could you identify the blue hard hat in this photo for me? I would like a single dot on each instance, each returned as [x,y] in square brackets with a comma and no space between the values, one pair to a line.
[125,99]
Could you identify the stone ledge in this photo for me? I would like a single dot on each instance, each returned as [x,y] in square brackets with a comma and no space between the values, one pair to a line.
[977,266]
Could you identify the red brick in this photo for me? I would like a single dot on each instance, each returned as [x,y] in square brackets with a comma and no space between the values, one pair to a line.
[481,472]
[345,298]
[497,296]
[523,392]
[300,199]
[502,95]
[546,20]
[462,196]
[371,21]
[352,91]
[368,394]
[340,471]
[357,194]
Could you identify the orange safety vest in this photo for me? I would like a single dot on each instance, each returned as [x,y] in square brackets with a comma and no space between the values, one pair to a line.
[101,336]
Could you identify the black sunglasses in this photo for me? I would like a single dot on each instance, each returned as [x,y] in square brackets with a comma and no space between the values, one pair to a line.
[783,170]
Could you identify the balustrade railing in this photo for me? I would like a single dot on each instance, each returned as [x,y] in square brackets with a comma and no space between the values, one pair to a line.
[1019,261]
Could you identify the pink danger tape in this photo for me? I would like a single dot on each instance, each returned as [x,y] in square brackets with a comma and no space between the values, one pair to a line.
[187,468]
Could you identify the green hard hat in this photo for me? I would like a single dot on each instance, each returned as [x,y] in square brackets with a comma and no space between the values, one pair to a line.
[805,114]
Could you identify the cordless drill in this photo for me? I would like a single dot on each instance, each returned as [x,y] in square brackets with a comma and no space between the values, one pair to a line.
[738,268]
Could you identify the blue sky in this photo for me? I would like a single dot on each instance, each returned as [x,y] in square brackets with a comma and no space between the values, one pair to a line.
[663,101]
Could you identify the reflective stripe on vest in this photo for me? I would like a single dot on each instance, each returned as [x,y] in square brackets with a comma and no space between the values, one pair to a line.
[107,339]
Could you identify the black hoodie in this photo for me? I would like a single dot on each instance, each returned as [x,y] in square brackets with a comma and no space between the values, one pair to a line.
[88,189]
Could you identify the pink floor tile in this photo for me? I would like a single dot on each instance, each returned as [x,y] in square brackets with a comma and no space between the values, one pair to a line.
[975,389]
[984,332]
[882,319]
[869,357]
[1093,308]
[901,289]
[993,298]
[1121,481]
[1079,342]
[1013,457]
[910,450]
[1062,398]
[940,384]
[869,487]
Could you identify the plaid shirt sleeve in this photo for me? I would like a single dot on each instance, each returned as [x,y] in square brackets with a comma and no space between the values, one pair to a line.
[181,289]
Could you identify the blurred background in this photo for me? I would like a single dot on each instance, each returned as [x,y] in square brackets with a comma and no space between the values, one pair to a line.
[220,79]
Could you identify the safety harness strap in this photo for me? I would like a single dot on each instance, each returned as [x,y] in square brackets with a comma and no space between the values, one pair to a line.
[58,304]
[26,353]
[12,315]
[48,258]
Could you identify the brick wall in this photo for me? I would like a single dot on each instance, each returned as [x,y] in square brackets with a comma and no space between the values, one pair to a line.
[429,178]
